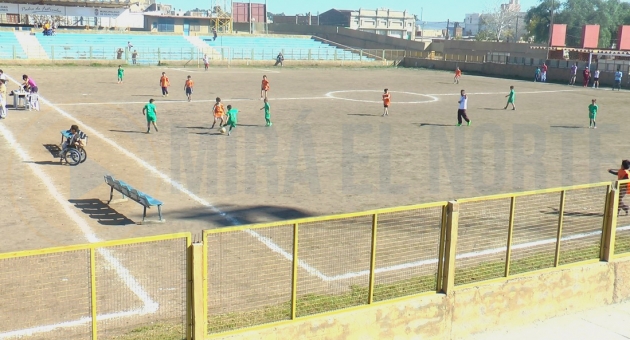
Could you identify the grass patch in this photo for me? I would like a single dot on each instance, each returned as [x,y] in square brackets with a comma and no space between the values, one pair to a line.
[622,243]
[157,331]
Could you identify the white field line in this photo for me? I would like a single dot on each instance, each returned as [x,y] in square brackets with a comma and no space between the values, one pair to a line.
[82,321]
[329,95]
[150,168]
[149,306]
[161,102]
[408,265]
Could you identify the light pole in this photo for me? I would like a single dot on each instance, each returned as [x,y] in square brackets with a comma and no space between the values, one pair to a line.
[550,31]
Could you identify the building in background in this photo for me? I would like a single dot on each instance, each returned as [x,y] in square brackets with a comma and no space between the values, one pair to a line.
[474,22]
[307,19]
[399,24]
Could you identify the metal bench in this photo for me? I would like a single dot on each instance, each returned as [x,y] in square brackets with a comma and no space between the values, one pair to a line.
[139,197]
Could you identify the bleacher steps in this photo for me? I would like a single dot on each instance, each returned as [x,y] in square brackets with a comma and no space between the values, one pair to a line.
[31,45]
[203,47]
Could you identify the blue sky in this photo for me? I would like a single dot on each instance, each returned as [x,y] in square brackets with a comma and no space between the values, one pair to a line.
[432,10]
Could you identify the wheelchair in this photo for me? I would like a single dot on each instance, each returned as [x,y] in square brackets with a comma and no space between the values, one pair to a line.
[73,155]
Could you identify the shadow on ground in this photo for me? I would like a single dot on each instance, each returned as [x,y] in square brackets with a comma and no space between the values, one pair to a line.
[53,149]
[239,215]
[101,212]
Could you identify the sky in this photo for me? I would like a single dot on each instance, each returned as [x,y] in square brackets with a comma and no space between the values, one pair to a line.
[440,10]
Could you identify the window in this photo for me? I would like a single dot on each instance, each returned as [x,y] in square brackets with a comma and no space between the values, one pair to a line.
[195,28]
[166,25]
[13,18]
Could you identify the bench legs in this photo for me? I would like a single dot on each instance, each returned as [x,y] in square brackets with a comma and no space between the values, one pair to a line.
[144,215]
[112,200]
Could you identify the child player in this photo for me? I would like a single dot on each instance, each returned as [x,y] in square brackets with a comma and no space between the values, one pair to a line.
[267,114]
[232,115]
[511,97]
[458,74]
[219,113]
[622,174]
[150,111]
[164,84]
[387,98]
[121,74]
[264,88]
[188,87]
[592,114]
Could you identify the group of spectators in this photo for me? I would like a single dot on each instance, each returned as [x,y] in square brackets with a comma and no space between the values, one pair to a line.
[48,28]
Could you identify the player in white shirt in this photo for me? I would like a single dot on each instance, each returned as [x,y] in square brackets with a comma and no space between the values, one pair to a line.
[461,112]
[596,79]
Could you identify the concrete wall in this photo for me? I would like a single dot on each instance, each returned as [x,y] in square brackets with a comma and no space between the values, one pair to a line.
[348,37]
[467,311]
[559,75]
[481,48]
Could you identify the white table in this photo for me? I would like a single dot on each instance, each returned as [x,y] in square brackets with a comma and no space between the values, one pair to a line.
[19,97]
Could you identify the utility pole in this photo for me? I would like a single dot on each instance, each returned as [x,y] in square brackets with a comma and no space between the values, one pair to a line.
[516,30]
[550,29]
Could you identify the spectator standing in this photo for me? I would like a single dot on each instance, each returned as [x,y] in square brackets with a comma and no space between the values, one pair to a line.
[586,74]
[214,34]
[618,76]
[543,75]
[134,57]
[573,74]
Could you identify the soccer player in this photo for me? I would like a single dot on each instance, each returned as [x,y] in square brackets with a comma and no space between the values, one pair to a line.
[592,114]
[150,111]
[232,115]
[267,114]
[264,88]
[463,105]
[164,84]
[586,74]
[511,98]
[618,76]
[219,112]
[387,98]
[458,74]
[573,74]
[543,75]
[596,79]
[121,74]
[205,61]
[622,174]
[188,87]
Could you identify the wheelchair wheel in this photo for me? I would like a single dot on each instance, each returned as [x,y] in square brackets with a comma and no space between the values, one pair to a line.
[83,155]
[73,157]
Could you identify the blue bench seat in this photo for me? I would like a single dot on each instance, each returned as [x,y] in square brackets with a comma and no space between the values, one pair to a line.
[138,196]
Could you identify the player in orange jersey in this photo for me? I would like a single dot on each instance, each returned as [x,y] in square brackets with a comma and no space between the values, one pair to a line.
[219,113]
[387,98]
[622,174]
[164,84]
[458,74]
[188,87]
[264,88]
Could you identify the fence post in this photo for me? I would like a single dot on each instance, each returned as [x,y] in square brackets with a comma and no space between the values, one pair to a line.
[360,55]
[14,56]
[563,196]
[508,253]
[159,55]
[52,52]
[93,292]
[199,322]
[294,274]
[450,247]
[91,52]
[610,223]
[372,259]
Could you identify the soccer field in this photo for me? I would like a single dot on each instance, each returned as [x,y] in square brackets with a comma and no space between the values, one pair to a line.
[329,150]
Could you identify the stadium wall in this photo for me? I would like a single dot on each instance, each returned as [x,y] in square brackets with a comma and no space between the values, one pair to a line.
[349,37]
[514,71]
[482,48]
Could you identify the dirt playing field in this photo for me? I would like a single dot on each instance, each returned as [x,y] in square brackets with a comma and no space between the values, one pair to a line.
[321,156]
[329,149]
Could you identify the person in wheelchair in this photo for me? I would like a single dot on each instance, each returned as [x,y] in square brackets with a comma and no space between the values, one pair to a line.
[76,140]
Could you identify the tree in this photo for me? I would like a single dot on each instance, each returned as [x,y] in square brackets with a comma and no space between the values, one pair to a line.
[608,14]
[538,20]
[499,19]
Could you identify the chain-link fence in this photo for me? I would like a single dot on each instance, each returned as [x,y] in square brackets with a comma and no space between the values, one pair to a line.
[107,290]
